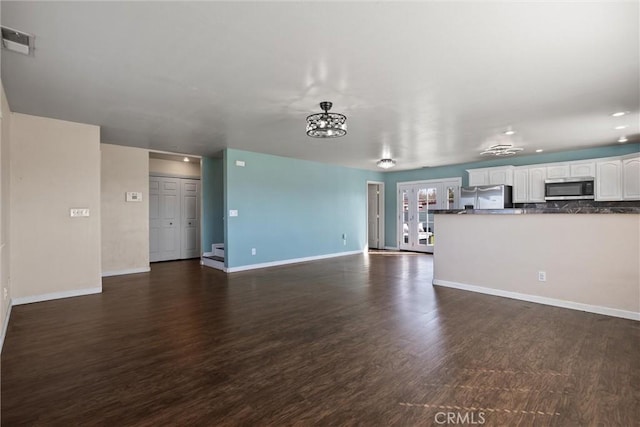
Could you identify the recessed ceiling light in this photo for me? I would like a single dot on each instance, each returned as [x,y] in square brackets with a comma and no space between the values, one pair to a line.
[509,132]
[539,150]
[620,113]
[622,139]
[186,159]
[620,127]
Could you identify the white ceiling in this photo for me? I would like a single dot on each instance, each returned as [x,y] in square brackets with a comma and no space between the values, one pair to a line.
[427,83]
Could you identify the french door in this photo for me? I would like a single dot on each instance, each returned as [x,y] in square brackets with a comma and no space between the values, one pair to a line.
[417,221]
[416,203]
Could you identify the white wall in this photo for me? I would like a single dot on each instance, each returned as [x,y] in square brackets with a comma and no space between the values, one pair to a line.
[174,168]
[5,123]
[592,261]
[125,225]
[55,166]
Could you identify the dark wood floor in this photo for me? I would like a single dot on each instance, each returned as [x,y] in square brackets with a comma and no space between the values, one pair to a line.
[363,339]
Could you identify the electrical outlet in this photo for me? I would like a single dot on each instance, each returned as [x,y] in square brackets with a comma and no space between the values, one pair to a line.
[253,251]
[542,276]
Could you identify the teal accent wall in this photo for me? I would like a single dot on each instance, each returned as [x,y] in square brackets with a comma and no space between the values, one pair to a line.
[391,179]
[212,203]
[289,208]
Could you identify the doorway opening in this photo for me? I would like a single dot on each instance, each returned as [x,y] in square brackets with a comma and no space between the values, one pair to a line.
[175,200]
[375,215]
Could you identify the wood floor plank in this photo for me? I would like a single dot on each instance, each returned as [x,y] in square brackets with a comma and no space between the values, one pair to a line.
[358,340]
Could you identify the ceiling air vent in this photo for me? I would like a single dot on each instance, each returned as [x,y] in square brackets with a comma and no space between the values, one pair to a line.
[17,41]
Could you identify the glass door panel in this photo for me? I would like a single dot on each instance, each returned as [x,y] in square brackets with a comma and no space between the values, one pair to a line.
[452,197]
[403,232]
[420,227]
[433,195]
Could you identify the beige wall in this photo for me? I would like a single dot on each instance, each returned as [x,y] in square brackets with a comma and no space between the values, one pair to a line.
[55,166]
[125,225]
[5,123]
[589,259]
[173,168]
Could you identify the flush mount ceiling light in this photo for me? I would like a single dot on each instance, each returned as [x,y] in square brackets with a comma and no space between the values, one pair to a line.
[622,139]
[386,163]
[326,125]
[509,132]
[501,150]
[186,159]
[620,113]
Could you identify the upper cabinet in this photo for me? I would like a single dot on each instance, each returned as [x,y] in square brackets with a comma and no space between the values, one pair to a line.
[501,175]
[558,170]
[631,177]
[537,175]
[478,177]
[609,179]
[491,176]
[521,184]
[616,178]
[582,169]
[528,184]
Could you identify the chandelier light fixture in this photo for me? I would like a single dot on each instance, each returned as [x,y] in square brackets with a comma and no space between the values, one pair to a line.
[386,163]
[501,150]
[326,124]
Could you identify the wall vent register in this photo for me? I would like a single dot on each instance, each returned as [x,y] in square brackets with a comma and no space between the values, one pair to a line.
[17,41]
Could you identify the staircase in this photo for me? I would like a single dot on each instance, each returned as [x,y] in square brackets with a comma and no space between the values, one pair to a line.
[215,258]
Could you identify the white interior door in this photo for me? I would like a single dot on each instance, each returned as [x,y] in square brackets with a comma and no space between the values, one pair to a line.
[374,216]
[164,219]
[190,212]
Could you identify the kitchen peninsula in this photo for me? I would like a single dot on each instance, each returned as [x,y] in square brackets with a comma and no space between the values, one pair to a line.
[580,257]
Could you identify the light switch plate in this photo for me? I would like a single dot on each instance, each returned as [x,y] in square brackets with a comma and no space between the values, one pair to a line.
[240,163]
[134,196]
[233,212]
[78,212]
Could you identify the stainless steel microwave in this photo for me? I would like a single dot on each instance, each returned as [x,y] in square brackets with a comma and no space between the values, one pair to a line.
[569,189]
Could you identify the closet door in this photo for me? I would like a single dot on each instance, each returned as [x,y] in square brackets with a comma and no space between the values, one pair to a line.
[190,247]
[164,219]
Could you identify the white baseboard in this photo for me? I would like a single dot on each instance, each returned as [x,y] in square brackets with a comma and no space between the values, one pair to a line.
[391,248]
[127,271]
[5,325]
[541,300]
[290,261]
[56,295]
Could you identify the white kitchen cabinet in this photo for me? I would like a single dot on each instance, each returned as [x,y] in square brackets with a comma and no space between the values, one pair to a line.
[631,178]
[537,175]
[521,184]
[582,169]
[491,176]
[501,175]
[478,177]
[609,180]
[558,170]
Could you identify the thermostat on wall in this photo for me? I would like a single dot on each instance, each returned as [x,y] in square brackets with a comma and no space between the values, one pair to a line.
[133,196]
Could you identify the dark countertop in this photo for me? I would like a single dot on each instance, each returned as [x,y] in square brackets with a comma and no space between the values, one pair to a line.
[528,211]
